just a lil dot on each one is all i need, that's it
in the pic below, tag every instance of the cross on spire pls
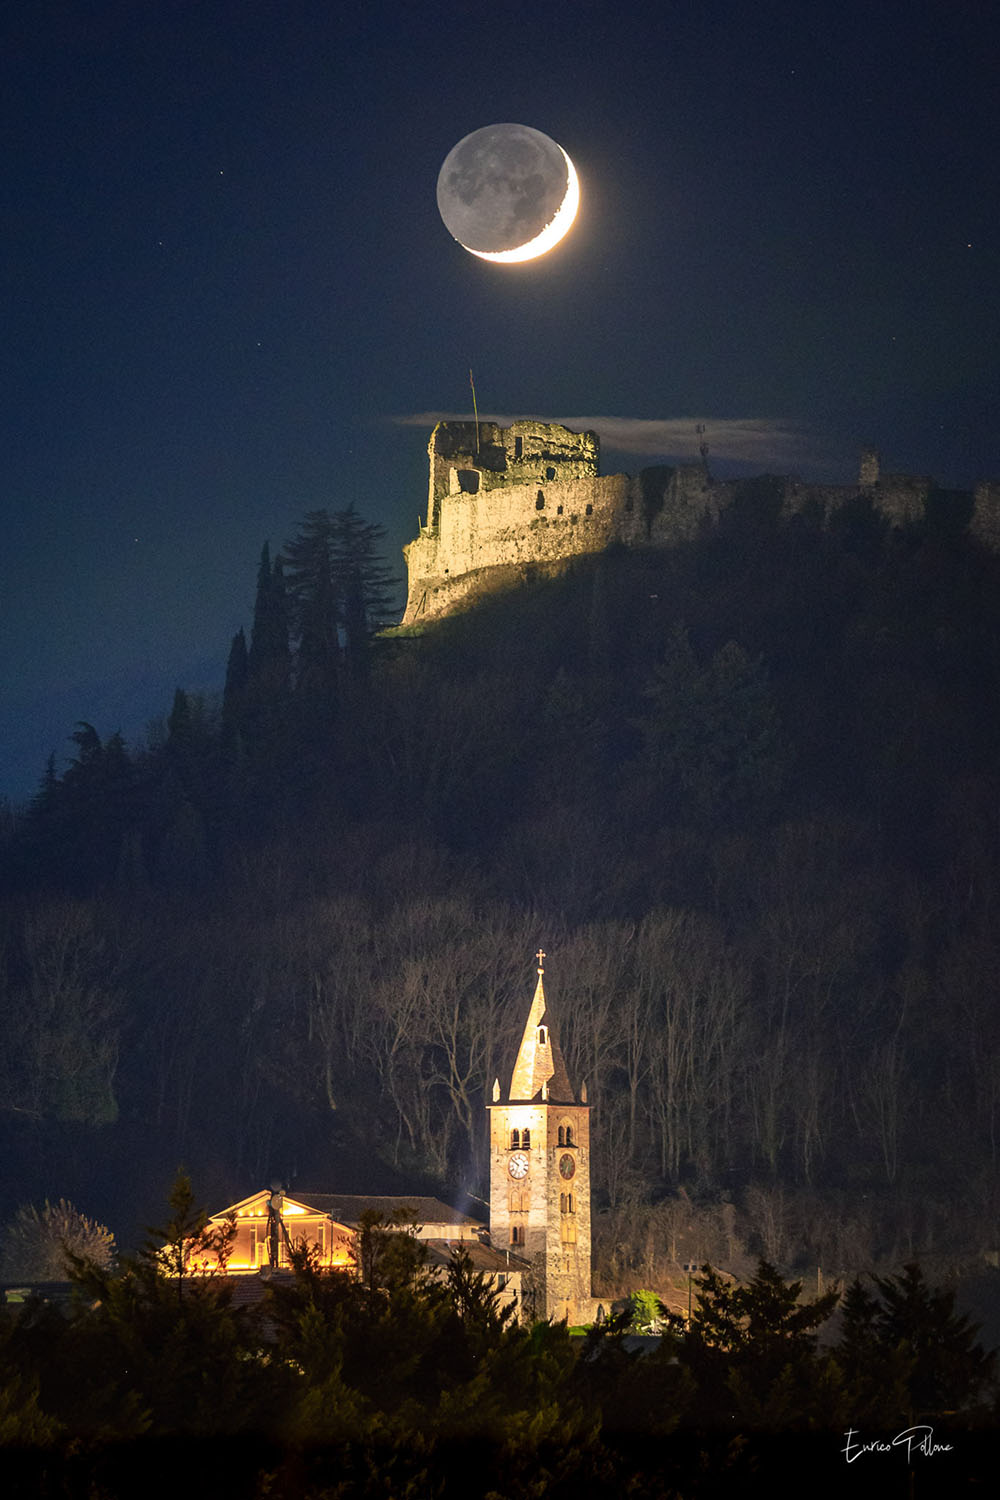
(540, 955)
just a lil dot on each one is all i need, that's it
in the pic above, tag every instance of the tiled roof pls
(483, 1257)
(347, 1208)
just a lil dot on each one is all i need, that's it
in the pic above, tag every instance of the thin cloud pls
(767, 442)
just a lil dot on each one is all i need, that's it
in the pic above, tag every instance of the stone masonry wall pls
(504, 502)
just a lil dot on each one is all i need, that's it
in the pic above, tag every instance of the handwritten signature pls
(913, 1439)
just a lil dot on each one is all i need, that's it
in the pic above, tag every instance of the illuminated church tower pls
(540, 1170)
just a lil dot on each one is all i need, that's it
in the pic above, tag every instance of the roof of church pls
(540, 1063)
(347, 1208)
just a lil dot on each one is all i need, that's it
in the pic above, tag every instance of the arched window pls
(569, 1135)
(562, 1136)
(540, 502)
(515, 1140)
(543, 1036)
(526, 1138)
(570, 1205)
(517, 1234)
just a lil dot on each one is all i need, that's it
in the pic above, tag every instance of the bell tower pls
(540, 1169)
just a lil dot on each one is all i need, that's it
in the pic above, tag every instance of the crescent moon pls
(555, 229)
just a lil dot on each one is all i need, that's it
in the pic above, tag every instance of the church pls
(540, 1169)
(537, 1248)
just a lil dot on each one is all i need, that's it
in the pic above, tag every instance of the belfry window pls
(515, 1140)
(525, 1138)
(543, 1036)
(562, 1136)
(569, 1135)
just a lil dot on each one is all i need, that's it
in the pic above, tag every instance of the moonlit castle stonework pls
(540, 1171)
(506, 504)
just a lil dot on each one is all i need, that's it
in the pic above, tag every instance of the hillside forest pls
(744, 792)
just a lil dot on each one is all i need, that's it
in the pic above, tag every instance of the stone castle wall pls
(505, 503)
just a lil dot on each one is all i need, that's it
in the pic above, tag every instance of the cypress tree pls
(235, 692)
(268, 660)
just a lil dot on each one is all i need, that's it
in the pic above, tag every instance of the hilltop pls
(744, 790)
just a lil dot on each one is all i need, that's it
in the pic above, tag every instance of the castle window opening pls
(515, 1140)
(540, 502)
(559, 510)
(518, 447)
(468, 481)
(590, 510)
(550, 473)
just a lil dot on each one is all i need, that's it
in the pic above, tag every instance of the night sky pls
(229, 298)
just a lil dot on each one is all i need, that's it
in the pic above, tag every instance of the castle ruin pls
(508, 503)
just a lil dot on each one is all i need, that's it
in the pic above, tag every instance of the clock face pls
(567, 1166)
(518, 1165)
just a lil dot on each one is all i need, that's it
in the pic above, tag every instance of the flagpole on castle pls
(475, 410)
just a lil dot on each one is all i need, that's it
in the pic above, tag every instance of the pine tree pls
(315, 613)
(360, 565)
(341, 592)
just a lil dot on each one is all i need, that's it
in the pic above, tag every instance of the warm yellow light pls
(553, 232)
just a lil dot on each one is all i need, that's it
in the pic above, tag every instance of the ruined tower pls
(540, 1170)
(505, 500)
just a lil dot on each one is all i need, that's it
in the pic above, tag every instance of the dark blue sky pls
(226, 279)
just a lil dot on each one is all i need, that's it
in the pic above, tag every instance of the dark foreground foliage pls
(395, 1384)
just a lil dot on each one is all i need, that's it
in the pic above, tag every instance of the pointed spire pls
(540, 1072)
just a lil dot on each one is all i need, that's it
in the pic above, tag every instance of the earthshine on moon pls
(507, 193)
